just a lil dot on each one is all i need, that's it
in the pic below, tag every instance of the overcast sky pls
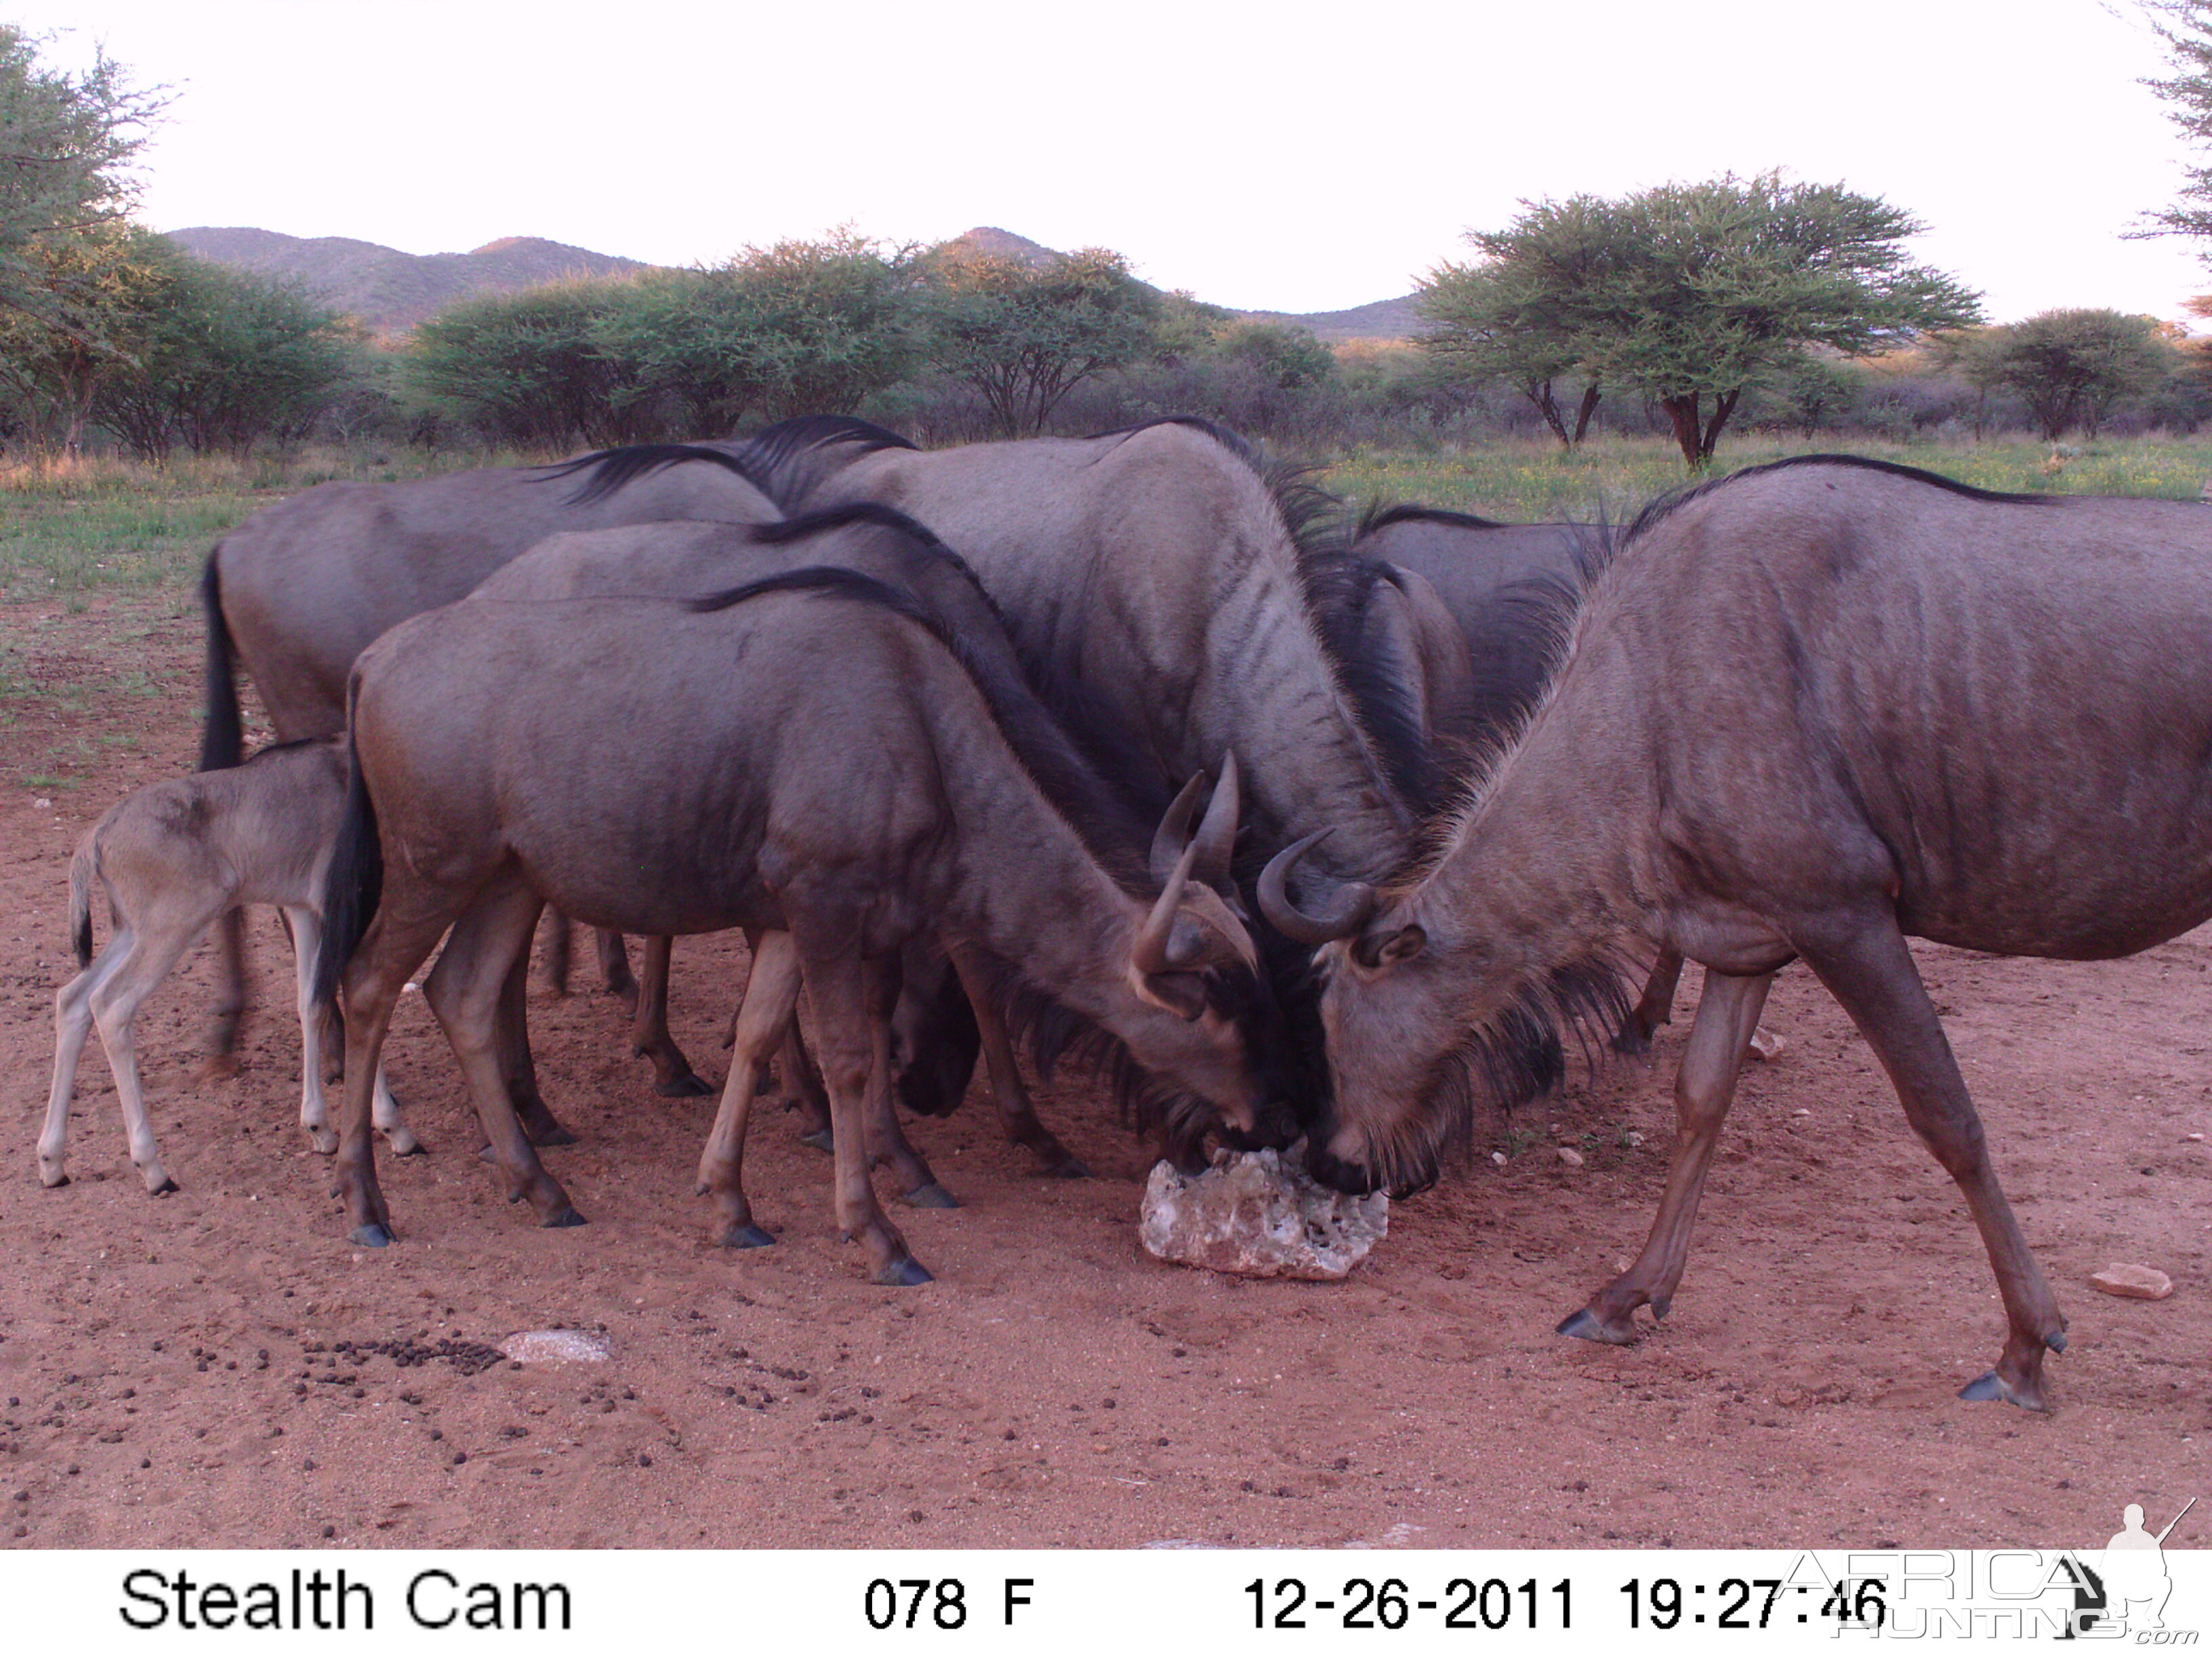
(1283, 156)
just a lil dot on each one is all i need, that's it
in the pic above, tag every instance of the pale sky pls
(1289, 156)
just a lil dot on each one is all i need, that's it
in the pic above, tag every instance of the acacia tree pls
(2186, 27)
(65, 143)
(2070, 366)
(1516, 314)
(1692, 293)
(1024, 336)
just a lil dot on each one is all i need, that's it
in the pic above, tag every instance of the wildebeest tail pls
(353, 882)
(223, 740)
(83, 868)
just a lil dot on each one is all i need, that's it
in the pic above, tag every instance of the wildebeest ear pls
(1403, 946)
(1181, 995)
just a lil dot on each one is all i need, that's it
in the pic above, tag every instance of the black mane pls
(1667, 503)
(612, 469)
(1376, 516)
(775, 455)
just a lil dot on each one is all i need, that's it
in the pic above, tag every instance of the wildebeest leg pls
(516, 1065)
(841, 990)
(1656, 1008)
(306, 930)
(1016, 1112)
(560, 935)
(763, 1018)
(465, 991)
(229, 996)
(614, 965)
(1728, 1014)
(887, 1141)
(649, 1028)
(73, 1020)
(1869, 970)
(802, 1083)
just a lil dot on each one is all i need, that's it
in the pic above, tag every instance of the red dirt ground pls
(166, 1377)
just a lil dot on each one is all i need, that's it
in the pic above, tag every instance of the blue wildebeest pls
(299, 590)
(850, 812)
(1808, 711)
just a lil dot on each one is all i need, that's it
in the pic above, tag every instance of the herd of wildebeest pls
(1306, 827)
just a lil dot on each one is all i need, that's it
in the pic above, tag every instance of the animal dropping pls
(2127, 1279)
(1252, 1214)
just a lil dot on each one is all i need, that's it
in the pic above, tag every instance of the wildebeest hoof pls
(1632, 1041)
(324, 1141)
(168, 1185)
(1587, 1326)
(820, 1139)
(2055, 1341)
(687, 1087)
(1990, 1386)
(374, 1236)
(747, 1237)
(403, 1144)
(932, 1197)
(57, 1179)
(557, 1135)
(217, 1068)
(566, 1216)
(903, 1270)
(1067, 1168)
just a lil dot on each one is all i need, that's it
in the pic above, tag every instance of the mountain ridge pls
(389, 291)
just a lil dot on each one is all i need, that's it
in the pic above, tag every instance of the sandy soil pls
(172, 1374)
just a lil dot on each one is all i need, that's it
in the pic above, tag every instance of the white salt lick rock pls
(1260, 1215)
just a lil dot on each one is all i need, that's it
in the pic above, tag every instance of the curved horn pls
(1217, 836)
(1152, 952)
(1173, 835)
(1355, 901)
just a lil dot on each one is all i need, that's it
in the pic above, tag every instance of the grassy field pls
(68, 533)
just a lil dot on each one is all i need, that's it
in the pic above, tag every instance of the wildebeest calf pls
(172, 858)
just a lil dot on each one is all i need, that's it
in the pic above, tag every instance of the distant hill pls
(390, 291)
(1380, 320)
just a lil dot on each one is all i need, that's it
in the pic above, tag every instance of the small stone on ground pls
(555, 1348)
(2127, 1279)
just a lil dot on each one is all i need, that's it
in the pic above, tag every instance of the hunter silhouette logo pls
(2136, 1580)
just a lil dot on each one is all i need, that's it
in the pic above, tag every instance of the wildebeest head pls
(1429, 1012)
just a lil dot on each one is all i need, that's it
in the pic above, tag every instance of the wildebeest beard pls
(1516, 1057)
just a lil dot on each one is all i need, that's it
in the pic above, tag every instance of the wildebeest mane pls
(610, 470)
(774, 453)
(1098, 815)
(1376, 516)
(1666, 504)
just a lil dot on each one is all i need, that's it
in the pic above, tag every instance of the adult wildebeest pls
(1153, 582)
(681, 560)
(1499, 583)
(171, 858)
(299, 590)
(1808, 710)
(667, 769)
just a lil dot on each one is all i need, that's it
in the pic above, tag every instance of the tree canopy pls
(2070, 367)
(2185, 27)
(1689, 294)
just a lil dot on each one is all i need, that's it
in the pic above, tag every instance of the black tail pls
(222, 741)
(352, 884)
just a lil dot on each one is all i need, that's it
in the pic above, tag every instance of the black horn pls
(1354, 903)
